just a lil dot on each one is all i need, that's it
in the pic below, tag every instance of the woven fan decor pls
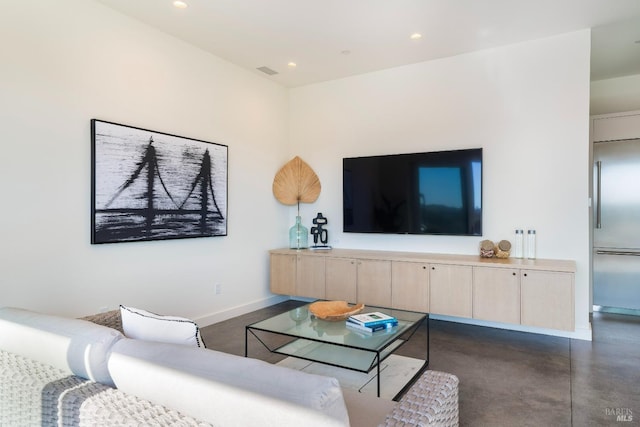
(296, 182)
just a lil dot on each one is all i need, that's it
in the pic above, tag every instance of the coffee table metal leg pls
(428, 339)
(378, 356)
(246, 347)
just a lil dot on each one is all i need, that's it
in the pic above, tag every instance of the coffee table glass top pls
(301, 323)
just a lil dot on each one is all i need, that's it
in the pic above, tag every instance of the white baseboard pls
(239, 310)
(585, 334)
(579, 333)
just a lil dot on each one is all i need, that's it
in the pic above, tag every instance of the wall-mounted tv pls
(437, 192)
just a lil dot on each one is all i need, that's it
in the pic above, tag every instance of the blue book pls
(372, 319)
(371, 329)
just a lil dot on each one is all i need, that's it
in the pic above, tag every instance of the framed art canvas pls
(149, 185)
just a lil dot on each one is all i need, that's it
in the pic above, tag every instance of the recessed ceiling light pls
(180, 4)
(416, 36)
(292, 65)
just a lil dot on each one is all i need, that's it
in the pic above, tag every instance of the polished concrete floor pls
(510, 378)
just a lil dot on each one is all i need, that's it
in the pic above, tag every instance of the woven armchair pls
(111, 319)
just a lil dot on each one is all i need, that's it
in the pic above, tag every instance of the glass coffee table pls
(333, 343)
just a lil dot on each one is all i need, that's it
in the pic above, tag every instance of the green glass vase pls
(298, 235)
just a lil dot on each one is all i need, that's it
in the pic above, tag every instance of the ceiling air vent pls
(267, 70)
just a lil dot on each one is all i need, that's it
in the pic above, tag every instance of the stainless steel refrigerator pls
(616, 235)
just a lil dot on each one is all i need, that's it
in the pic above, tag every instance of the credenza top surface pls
(456, 259)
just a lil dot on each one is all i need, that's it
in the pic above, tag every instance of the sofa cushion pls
(144, 325)
(225, 389)
(73, 345)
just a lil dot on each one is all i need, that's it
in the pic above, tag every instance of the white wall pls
(66, 62)
(615, 95)
(526, 105)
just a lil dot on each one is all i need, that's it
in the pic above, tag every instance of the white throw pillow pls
(143, 325)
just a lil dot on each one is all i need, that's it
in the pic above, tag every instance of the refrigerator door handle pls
(629, 253)
(598, 194)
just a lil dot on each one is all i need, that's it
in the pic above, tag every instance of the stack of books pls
(371, 322)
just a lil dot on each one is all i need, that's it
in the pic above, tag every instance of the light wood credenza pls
(538, 293)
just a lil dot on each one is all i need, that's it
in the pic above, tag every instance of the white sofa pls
(60, 371)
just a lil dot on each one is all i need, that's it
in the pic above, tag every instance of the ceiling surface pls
(331, 39)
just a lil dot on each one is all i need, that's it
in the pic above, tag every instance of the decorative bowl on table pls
(334, 310)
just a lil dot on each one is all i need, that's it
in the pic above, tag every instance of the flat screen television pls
(437, 192)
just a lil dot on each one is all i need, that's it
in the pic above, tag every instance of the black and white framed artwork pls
(149, 185)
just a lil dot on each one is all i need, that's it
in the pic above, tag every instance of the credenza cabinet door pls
(282, 278)
(450, 289)
(374, 282)
(496, 294)
(340, 279)
(310, 276)
(410, 286)
(547, 299)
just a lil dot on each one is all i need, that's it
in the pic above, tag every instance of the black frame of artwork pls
(150, 185)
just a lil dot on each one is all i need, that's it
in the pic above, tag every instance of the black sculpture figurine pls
(319, 233)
